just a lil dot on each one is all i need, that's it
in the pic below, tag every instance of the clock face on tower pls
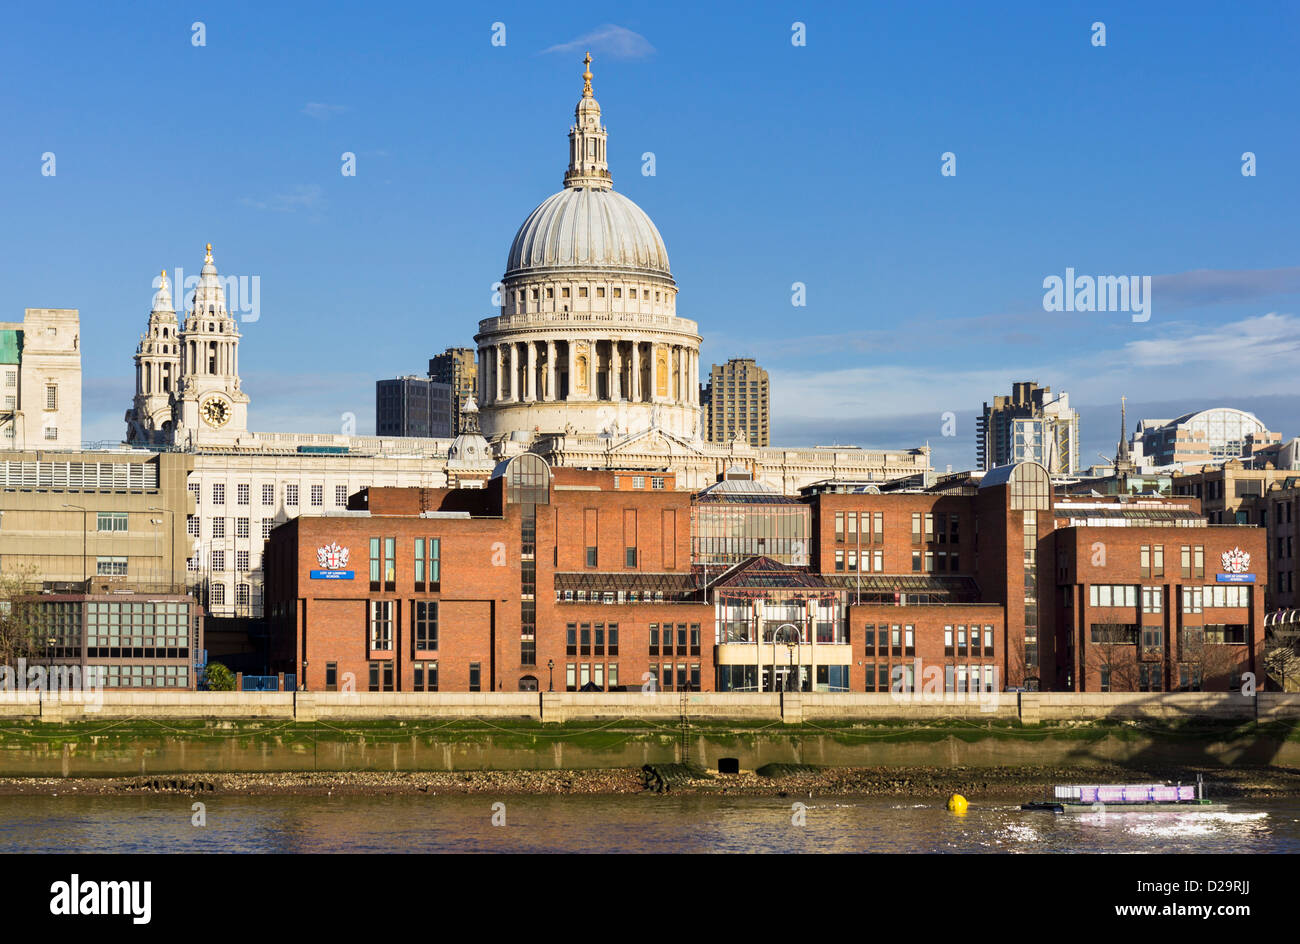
(215, 411)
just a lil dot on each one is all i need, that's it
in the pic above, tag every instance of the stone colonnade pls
(585, 369)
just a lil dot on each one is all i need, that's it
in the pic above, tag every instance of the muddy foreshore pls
(923, 782)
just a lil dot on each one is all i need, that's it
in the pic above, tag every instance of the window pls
(331, 676)
(110, 566)
(111, 521)
(428, 569)
(425, 616)
(340, 495)
(241, 527)
(1153, 599)
(1103, 594)
(218, 560)
(656, 481)
(591, 557)
(217, 594)
(475, 676)
(317, 496)
(839, 560)
(381, 676)
(291, 496)
(218, 493)
(192, 525)
(381, 625)
(629, 557)
(241, 594)
(1193, 599)
(267, 524)
(241, 561)
(268, 494)
(241, 494)
(218, 527)
(51, 396)
(374, 564)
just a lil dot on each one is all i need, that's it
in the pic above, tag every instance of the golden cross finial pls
(208, 257)
(586, 76)
(164, 276)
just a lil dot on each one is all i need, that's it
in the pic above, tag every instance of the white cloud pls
(302, 197)
(616, 42)
(322, 111)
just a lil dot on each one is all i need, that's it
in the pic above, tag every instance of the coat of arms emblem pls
(332, 556)
(1236, 561)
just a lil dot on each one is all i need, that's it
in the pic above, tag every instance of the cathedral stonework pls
(588, 340)
(187, 378)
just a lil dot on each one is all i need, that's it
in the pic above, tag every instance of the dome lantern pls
(588, 162)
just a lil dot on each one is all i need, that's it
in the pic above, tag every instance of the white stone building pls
(40, 359)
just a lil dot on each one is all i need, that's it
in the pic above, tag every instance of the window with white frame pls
(268, 494)
(381, 624)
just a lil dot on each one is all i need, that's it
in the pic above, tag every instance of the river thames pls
(641, 824)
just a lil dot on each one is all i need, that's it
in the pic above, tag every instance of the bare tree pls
(1216, 664)
(17, 611)
(1113, 651)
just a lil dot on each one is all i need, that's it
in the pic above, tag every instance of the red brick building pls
(573, 579)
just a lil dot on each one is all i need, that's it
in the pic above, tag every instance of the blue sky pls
(775, 164)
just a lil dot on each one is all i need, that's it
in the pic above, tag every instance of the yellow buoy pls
(957, 803)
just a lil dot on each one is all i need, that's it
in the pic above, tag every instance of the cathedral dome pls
(585, 226)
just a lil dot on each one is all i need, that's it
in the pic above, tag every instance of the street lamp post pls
(776, 638)
(84, 511)
(171, 557)
(550, 665)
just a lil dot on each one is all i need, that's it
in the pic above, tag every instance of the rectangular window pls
(390, 563)
(331, 676)
(584, 639)
(51, 396)
(629, 557)
(241, 561)
(381, 625)
(192, 525)
(591, 557)
(374, 564)
(318, 496)
(241, 494)
(111, 521)
(218, 527)
(267, 524)
(110, 566)
(268, 494)
(291, 496)
(218, 493)
(878, 528)
(424, 614)
(613, 640)
(241, 527)
(340, 496)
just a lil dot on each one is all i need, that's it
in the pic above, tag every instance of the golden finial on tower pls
(208, 257)
(164, 276)
(586, 76)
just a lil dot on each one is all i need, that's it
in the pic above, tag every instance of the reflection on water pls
(622, 824)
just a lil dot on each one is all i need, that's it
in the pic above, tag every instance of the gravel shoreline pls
(974, 782)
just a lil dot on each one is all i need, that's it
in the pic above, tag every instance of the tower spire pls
(588, 165)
